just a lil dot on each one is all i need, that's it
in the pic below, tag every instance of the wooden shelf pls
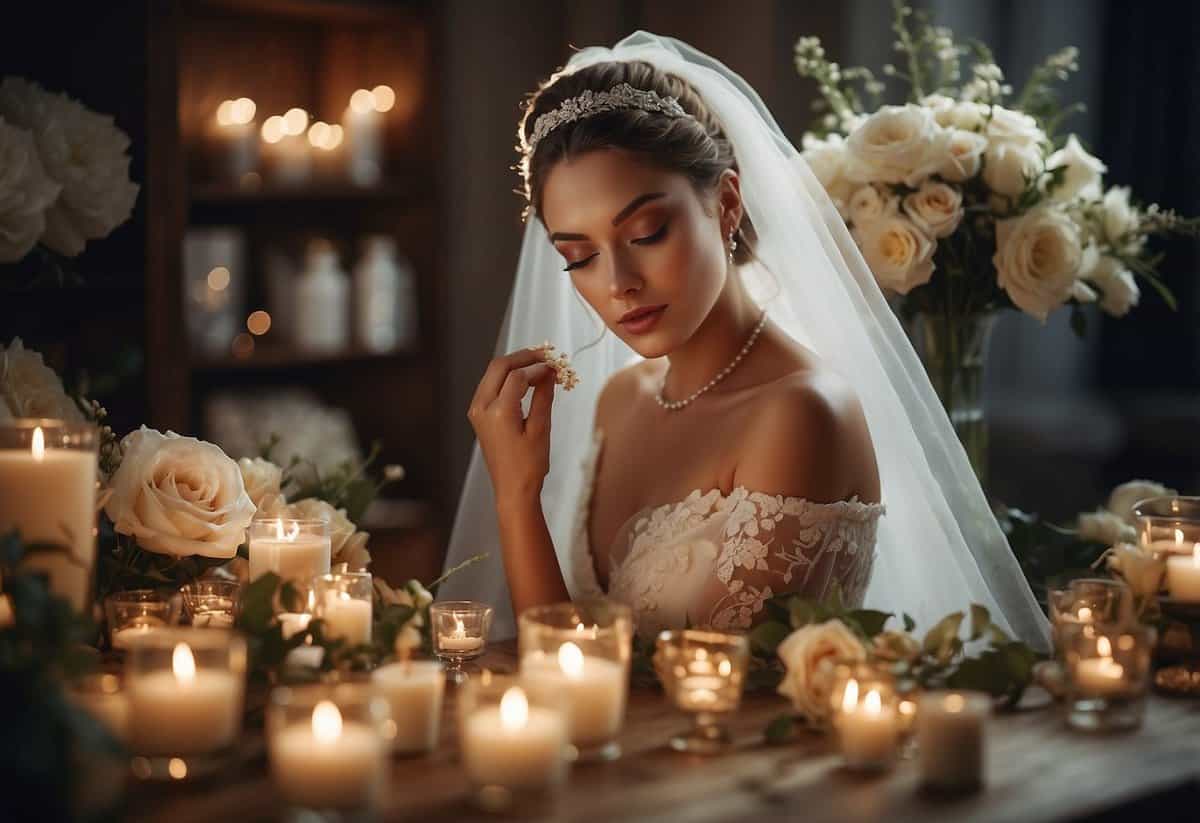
(268, 358)
(228, 194)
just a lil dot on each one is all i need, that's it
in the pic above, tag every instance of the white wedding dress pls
(712, 560)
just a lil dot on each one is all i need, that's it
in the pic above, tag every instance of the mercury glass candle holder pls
(703, 673)
(1108, 675)
(343, 603)
(866, 715)
(1168, 525)
(211, 604)
(328, 747)
(459, 629)
(137, 612)
(186, 689)
(582, 649)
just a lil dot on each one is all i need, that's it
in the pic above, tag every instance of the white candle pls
(458, 641)
(1100, 676)
(185, 710)
(1183, 576)
(867, 729)
(347, 617)
(414, 690)
(122, 638)
(514, 744)
(950, 739)
(595, 690)
(364, 139)
(289, 553)
(213, 620)
(235, 138)
(328, 763)
(49, 495)
(107, 704)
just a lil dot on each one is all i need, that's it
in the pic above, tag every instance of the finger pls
(516, 384)
(498, 370)
(538, 421)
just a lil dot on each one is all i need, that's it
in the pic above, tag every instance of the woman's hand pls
(516, 447)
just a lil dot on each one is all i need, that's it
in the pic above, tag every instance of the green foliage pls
(349, 486)
(1049, 555)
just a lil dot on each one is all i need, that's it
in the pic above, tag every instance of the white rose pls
(1012, 127)
(262, 479)
(347, 544)
(1118, 291)
(867, 205)
(1125, 496)
(1105, 527)
(942, 108)
(1083, 293)
(809, 655)
(1141, 570)
(935, 208)
(1083, 172)
(25, 193)
(969, 115)
(179, 496)
(419, 593)
(897, 144)
(827, 159)
(1037, 260)
(964, 155)
(1008, 167)
(30, 388)
(81, 150)
(392, 597)
(900, 254)
(1120, 218)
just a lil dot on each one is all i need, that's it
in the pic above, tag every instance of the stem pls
(470, 561)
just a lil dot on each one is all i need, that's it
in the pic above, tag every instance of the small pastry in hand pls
(565, 375)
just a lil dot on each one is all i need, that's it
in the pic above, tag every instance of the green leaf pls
(870, 621)
(258, 603)
(941, 637)
(780, 730)
(909, 623)
(981, 619)
(766, 637)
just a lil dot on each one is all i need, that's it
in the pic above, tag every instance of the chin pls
(658, 343)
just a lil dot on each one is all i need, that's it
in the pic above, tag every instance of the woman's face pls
(642, 246)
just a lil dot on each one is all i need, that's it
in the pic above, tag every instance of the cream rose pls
(867, 205)
(935, 208)
(1037, 259)
(262, 479)
(1083, 172)
(1105, 527)
(1008, 168)
(30, 388)
(897, 144)
(899, 253)
(25, 193)
(809, 655)
(179, 496)
(1125, 496)
(1011, 127)
(1118, 290)
(347, 544)
(1120, 218)
(964, 155)
(827, 159)
(1141, 570)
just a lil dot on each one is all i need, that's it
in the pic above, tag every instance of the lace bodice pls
(713, 559)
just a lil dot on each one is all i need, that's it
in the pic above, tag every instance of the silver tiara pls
(620, 96)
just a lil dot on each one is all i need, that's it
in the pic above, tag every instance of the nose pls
(625, 278)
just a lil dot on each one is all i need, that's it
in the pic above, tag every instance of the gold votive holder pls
(328, 746)
(211, 604)
(185, 688)
(866, 715)
(459, 629)
(703, 673)
(344, 605)
(136, 613)
(951, 735)
(1108, 675)
(513, 742)
(583, 650)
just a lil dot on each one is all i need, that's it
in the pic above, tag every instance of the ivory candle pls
(101, 697)
(458, 641)
(414, 690)
(867, 729)
(595, 690)
(293, 549)
(364, 138)
(328, 762)
(49, 495)
(950, 739)
(347, 617)
(514, 745)
(1101, 676)
(185, 710)
(1183, 576)
(124, 637)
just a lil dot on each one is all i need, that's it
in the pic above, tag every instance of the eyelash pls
(641, 241)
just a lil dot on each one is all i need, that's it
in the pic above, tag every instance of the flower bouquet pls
(967, 199)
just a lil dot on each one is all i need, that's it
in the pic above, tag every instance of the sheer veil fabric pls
(939, 547)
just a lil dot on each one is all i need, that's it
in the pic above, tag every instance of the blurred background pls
(327, 228)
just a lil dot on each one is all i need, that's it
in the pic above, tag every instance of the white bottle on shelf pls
(385, 297)
(322, 316)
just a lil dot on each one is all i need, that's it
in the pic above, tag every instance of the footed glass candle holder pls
(460, 630)
(1108, 675)
(344, 604)
(866, 715)
(1168, 525)
(211, 604)
(137, 612)
(703, 673)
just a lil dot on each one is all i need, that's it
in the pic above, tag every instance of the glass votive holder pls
(102, 695)
(703, 673)
(513, 742)
(295, 549)
(344, 605)
(415, 690)
(1089, 600)
(950, 739)
(1168, 525)
(211, 604)
(582, 650)
(1108, 675)
(185, 688)
(328, 746)
(866, 715)
(138, 612)
(459, 629)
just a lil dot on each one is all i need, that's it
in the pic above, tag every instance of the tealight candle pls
(459, 629)
(867, 728)
(511, 739)
(1108, 674)
(414, 689)
(296, 550)
(950, 739)
(136, 613)
(457, 640)
(211, 604)
(344, 605)
(1183, 576)
(1101, 675)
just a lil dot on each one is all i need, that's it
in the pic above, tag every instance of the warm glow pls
(1179, 537)
(724, 668)
(362, 101)
(243, 110)
(326, 723)
(955, 703)
(908, 708)
(177, 768)
(38, 446)
(872, 703)
(1085, 614)
(1103, 647)
(225, 113)
(243, 346)
(273, 130)
(290, 535)
(850, 696)
(385, 98)
(295, 121)
(1125, 642)
(218, 279)
(514, 710)
(318, 134)
(336, 135)
(570, 660)
(1196, 555)
(460, 631)
(183, 664)
(259, 322)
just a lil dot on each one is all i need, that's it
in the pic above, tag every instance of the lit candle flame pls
(1103, 647)
(850, 696)
(570, 660)
(724, 668)
(872, 703)
(460, 631)
(1085, 614)
(183, 664)
(383, 98)
(514, 710)
(290, 535)
(38, 446)
(326, 722)
(362, 101)
(1178, 537)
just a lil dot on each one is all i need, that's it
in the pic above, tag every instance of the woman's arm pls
(534, 577)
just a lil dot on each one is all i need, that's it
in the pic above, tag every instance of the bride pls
(746, 402)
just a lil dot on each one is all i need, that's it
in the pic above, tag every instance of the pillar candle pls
(414, 690)
(950, 739)
(514, 745)
(328, 762)
(595, 690)
(184, 710)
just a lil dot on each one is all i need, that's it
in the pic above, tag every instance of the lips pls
(643, 319)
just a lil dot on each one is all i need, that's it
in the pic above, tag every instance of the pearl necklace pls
(676, 405)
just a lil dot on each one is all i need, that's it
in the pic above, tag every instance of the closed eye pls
(652, 238)
(578, 264)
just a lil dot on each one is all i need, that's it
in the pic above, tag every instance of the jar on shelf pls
(322, 316)
(385, 297)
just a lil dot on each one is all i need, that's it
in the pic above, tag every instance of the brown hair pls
(694, 146)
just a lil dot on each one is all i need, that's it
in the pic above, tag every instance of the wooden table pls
(1037, 770)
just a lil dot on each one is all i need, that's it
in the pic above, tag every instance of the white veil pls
(939, 546)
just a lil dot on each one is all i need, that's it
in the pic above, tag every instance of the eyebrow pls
(623, 215)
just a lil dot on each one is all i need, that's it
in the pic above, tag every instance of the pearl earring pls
(732, 247)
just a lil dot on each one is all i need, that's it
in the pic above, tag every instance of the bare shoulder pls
(623, 390)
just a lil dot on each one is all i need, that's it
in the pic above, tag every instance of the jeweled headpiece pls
(589, 103)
